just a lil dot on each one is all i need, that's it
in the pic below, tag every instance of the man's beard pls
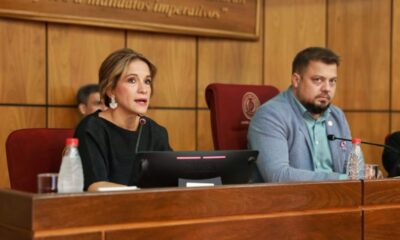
(314, 109)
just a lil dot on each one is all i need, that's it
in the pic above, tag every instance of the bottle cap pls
(356, 140)
(71, 142)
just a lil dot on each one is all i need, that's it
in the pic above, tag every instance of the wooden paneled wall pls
(43, 64)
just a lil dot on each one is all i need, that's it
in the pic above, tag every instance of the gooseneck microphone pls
(332, 137)
(137, 170)
(393, 171)
(142, 122)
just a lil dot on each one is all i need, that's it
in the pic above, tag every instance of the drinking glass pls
(372, 171)
(47, 182)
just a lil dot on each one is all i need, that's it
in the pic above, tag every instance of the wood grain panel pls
(227, 61)
(382, 209)
(175, 58)
(359, 31)
(395, 122)
(294, 210)
(370, 127)
(16, 118)
(22, 62)
(15, 211)
(290, 26)
(382, 192)
(81, 236)
(149, 208)
(74, 57)
(204, 131)
(382, 224)
(180, 125)
(318, 226)
(396, 56)
(59, 117)
(14, 234)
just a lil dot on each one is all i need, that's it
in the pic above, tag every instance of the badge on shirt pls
(343, 145)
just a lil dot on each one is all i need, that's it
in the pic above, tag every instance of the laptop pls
(169, 168)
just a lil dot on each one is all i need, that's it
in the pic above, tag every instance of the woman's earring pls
(113, 103)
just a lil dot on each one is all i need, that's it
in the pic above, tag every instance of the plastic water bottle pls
(355, 162)
(70, 177)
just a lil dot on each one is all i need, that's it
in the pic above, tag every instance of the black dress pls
(108, 151)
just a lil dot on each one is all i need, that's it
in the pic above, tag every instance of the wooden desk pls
(329, 210)
(382, 209)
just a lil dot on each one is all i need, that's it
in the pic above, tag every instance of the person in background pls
(109, 139)
(290, 131)
(88, 99)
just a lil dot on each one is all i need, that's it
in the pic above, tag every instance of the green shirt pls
(320, 150)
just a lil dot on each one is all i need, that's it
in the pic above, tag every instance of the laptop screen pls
(166, 168)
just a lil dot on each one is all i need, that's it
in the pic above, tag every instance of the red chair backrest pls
(231, 107)
(32, 151)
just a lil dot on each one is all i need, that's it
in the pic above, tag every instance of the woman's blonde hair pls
(114, 65)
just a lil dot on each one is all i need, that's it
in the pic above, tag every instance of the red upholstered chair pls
(232, 106)
(34, 150)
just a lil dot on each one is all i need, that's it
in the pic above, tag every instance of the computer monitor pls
(166, 168)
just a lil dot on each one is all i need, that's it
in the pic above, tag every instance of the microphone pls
(142, 122)
(332, 137)
(137, 167)
(394, 171)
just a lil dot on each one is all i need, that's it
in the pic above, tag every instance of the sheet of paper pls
(199, 184)
(124, 188)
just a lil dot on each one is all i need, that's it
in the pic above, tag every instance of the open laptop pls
(168, 168)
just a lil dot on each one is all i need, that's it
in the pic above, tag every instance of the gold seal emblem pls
(250, 103)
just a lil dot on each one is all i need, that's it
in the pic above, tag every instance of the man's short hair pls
(85, 91)
(304, 57)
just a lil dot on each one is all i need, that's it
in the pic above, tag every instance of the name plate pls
(219, 18)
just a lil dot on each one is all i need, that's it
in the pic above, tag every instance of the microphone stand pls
(138, 168)
(332, 137)
(142, 122)
(395, 170)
